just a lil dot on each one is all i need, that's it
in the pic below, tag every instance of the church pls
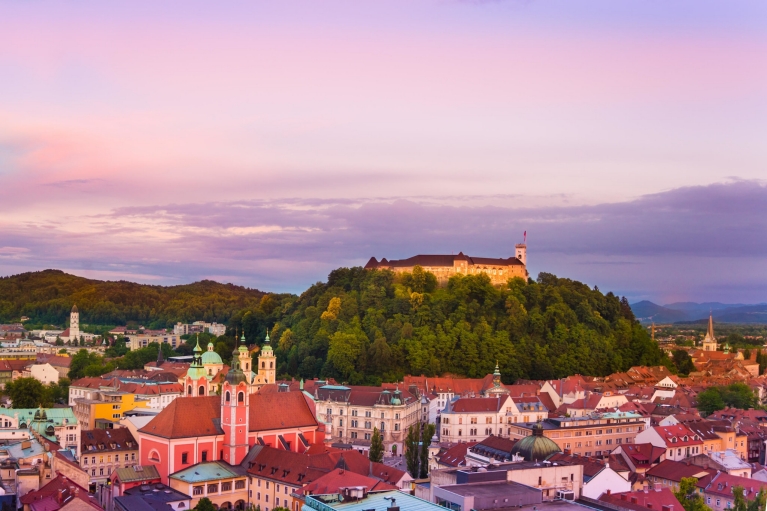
(207, 372)
(446, 266)
(207, 427)
(73, 332)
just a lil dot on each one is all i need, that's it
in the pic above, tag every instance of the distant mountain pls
(647, 312)
(691, 312)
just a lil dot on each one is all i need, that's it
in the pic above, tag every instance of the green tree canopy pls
(28, 393)
(376, 447)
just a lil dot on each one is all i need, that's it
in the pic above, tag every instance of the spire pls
(160, 360)
(711, 325)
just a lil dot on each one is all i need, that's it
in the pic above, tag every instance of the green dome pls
(210, 356)
(535, 447)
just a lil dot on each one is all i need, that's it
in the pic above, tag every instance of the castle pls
(446, 266)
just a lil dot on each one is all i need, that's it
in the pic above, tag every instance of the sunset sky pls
(266, 143)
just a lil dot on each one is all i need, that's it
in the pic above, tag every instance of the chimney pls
(609, 491)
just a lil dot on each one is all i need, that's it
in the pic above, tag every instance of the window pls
(277, 487)
(330, 411)
(228, 396)
(197, 490)
(367, 436)
(85, 460)
(185, 458)
(473, 420)
(240, 397)
(354, 413)
(204, 455)
(368, 414)
(340, 422)
(266, 498)
(213, 488)
(240, 485)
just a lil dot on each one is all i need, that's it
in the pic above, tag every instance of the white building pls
(138, 341)
(44, 373)
(679, 441)
(472, 419)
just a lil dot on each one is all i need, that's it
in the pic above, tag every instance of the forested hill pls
(46, 297)
(362, 326)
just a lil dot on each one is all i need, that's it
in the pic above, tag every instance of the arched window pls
(154, 456)
(228, 396)
(263, 365)
(247, 366)
(271, 365)
(210, 372)
(241, 397)
(201, 391)
(189, 390)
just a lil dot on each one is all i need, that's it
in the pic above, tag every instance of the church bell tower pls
(235, 412)
(74, 324)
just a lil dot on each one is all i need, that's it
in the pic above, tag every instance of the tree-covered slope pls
(47, 297)
(367, 325)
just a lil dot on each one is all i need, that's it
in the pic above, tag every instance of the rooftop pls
(209, 471)
(373, 501)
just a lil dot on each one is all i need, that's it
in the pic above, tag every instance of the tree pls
(428, 433)
(683, 362)
(28, 393)
(376, 447)
(205, 505)
(412, 455)
(689, 497)
(710, 400)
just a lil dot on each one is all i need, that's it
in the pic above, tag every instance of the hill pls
(370, 325)
(47, 297)
(691, 312)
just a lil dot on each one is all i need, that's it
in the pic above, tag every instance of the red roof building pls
(191, 430)
(658, 499)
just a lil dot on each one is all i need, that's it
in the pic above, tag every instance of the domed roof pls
(535, 447)
(211, 357)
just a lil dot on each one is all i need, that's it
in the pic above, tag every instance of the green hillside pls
(363, 326)
(46, 297)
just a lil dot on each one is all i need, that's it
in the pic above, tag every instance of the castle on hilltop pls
(446, 266)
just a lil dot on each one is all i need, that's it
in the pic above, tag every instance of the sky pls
(267, 143)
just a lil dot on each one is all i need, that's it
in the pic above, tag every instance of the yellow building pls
(110, 405)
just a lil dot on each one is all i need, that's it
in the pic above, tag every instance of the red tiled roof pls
(675, 435)
(334, 480)
(456, 455)
(654, 499)
(477, 404)
(723, 483)
(198, 416)
(675, 471)
(59, 484)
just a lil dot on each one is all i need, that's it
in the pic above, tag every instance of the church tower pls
(267, 363)
(74, 324)
(195, 382)
(235, 412)
(709, 342)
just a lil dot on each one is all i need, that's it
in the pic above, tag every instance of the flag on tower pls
(524, 237)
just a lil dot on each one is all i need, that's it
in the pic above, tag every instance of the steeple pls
(160, 360)
(711, 325)
(709, 342)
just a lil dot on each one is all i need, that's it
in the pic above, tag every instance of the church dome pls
(210, 357)
(535, 447)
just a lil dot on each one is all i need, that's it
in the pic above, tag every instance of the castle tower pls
(267, 363)
(235, 413)
(74, 324)
(521, 252)
(709, 342)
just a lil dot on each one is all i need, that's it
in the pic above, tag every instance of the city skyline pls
(269, 144)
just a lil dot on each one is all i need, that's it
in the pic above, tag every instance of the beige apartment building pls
(474, 419)
(106, 450)
(351, 413)
(593, 435)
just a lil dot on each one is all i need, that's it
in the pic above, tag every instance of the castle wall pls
(499, 275)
